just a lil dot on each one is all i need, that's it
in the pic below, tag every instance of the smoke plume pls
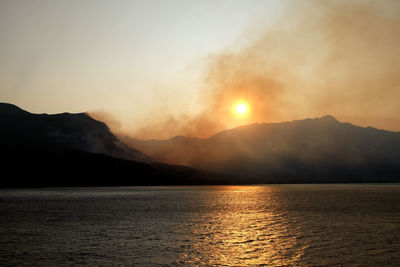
(322, 57)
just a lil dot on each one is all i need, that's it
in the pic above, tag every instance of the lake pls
(300, 225)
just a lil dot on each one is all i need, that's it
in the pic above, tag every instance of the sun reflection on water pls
(246, 226)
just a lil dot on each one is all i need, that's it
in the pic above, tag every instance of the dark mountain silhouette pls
(76, 131)
(58, 167)
(76, 150)
(310, 150)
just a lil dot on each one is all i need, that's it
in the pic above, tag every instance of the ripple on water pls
(246, 225)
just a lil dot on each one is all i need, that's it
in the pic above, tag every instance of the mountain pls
(69, 167)
(310, 150)
(40, 150)
(76, 131)
(76, 150)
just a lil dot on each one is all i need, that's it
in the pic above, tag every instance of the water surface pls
(301, 225)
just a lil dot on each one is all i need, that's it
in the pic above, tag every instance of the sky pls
(155, 69)
(121, 57)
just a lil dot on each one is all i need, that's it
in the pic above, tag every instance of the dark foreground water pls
(217, 225)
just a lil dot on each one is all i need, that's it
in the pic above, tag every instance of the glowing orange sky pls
(157, 69)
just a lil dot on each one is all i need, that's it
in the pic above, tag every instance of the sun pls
(241, 108)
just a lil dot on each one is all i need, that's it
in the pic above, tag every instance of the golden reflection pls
(244, 225)
(245, 188)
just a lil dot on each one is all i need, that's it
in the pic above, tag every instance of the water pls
(302, 225)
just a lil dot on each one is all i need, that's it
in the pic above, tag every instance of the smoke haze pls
(323, 57)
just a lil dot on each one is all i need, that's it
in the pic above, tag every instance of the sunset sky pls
(155, 69)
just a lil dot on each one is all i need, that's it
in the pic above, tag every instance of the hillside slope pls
(20, 128)
(75, 150)
(310, 150)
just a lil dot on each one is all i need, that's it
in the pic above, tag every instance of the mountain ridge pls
(41, 150)
(69, 149)
(315, 149)
(75, 130)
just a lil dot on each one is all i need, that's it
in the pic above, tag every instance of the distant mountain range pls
(303, 151)
(39, 150)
